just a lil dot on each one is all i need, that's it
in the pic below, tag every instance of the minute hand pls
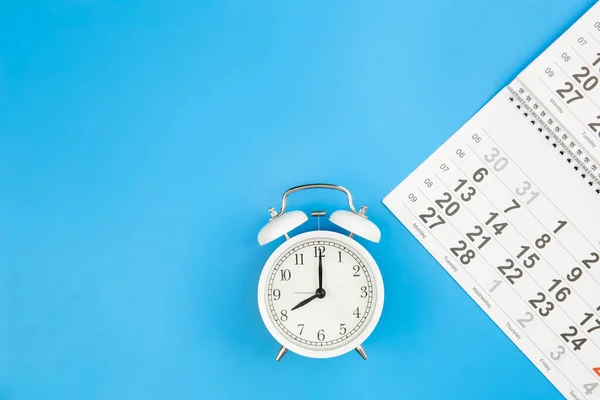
(320, 270)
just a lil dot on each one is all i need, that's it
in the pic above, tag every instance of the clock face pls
(321, 315)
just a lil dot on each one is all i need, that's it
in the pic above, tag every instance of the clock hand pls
(320, 291)
(320, 271)
(305, 301)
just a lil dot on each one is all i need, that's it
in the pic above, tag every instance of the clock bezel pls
(377, 283)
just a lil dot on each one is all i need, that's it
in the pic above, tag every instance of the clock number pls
(356, 312)
(339, 256)
(562, 294)
(319, 250)
(569, 88)
(544, 312)
(577, 343)
(363, 291)
(444, 168)
(286, 274)
(424, 217)
(284, 316)
(299, 259)
(343, 329)
(511, 278)
(452, 207)
(301, 326)
(321, 335)
(356, 269)
(588, 263)
(561, 224)
(276, 294)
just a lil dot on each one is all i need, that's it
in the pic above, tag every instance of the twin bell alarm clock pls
(320, 293)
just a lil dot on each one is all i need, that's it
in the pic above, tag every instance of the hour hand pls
(305, 301)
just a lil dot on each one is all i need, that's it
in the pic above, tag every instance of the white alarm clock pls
(320, 293)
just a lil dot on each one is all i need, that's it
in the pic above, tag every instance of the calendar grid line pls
(522, 235)
(532, 181)
(510, 254)
(502, 309)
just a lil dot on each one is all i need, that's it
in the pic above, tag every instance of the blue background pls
(141, 144)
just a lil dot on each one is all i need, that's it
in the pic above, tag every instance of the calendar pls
(509, 207)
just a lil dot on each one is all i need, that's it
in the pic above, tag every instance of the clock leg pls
(361, 351)
(281, 353)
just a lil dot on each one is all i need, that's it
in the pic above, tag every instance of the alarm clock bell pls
(355, 222)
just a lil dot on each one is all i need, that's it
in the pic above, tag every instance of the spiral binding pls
(559, 138)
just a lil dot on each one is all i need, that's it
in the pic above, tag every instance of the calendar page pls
(508, 206)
